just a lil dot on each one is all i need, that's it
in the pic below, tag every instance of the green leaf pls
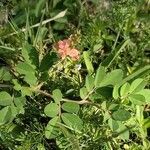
(113, 107)
(70, 107)
(48, 61)
(116, 91)
(30, 55)
(137, 85)
(96, 97)
(83, 92)
(57, 96)
(20, 102)
(105, 92)
(100, 74)
(88, 63)
(112, 78)
(5, 99)
(89, 83)
(124, 89)
(106, 116)
(51, 129)
(139, 113)
(31, 79)
(123, 132)
(137, 99)
(17, 86)
(146, 94)
(14, 111)
(143, 71)
(28, 71)
(113, 124)
(26, 91)
(51, 110)
(4, 74)
(5, 115)
(72, 120)
(24, 68)
(121, 115)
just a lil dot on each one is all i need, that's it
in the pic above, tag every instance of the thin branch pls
(80, 102)
(64, 100)
(77, 102)
(89, 94)
(43, 93)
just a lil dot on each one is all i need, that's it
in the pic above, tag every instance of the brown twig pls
(43, 93)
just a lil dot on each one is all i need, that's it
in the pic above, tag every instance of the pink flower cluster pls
(65, 49)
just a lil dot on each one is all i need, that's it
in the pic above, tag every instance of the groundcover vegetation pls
(74, 74)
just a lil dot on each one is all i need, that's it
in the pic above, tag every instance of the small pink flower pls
(74, 54)
(64, 44)
(65, 49)
(63, 52)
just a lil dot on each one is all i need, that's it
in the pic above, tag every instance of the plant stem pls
(80, 102)
(43, 93)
